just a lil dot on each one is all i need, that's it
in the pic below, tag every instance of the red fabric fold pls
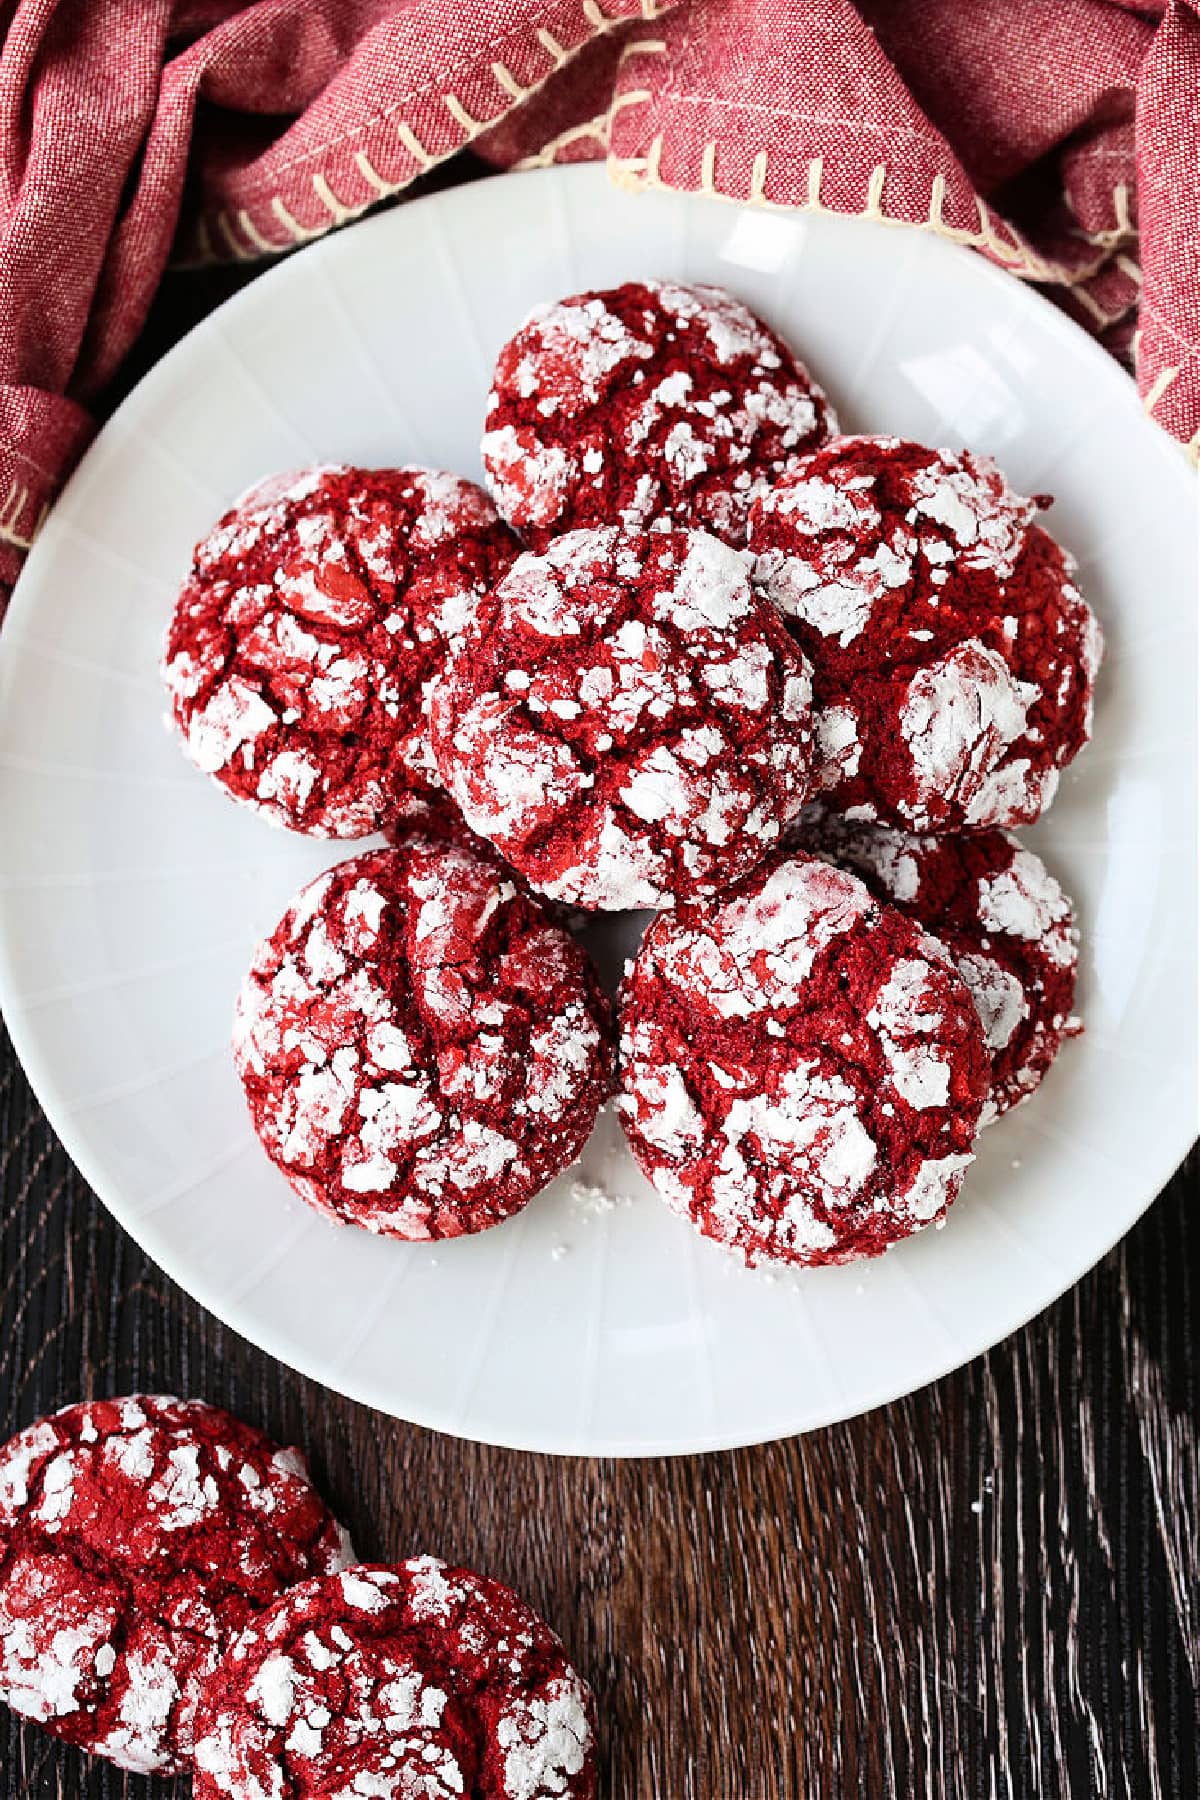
(1058, 137)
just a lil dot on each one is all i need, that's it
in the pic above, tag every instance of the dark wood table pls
(988, 1590)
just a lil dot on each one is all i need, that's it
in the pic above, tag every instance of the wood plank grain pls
(990, 1589)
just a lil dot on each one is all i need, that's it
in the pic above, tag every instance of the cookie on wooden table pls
(138, 1538)
(415, 1682)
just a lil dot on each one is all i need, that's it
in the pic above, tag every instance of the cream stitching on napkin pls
(243, 233)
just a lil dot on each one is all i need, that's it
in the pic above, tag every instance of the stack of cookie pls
(790, 690)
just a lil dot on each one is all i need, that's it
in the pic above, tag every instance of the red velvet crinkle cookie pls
(648, 401)
(138, 1537)
(1001, 915)
(316, 614)
(953, 658)
(802, 1068)
(421, 1047)
(626, 721)
(416, 1682)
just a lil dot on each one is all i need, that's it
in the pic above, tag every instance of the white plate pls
(132, 891)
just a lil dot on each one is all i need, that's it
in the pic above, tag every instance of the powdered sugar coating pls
(1002, 916)
(954, 660)
(627, 722)
(138, 1537)
(802, 1069)
(417, 1682)
(422, 1048)
(315, 616)
(647, 402)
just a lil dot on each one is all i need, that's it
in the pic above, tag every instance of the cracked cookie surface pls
(802, 1068)
(954, 659)
(422, 1048)
(316, 614)
(412, 1682)
(650, 401)
(626, 721)
(138, 1537)
(1002, 916)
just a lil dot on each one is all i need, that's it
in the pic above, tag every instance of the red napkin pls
(1058, 137)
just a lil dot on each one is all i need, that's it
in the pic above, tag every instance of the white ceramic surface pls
(131, 891)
